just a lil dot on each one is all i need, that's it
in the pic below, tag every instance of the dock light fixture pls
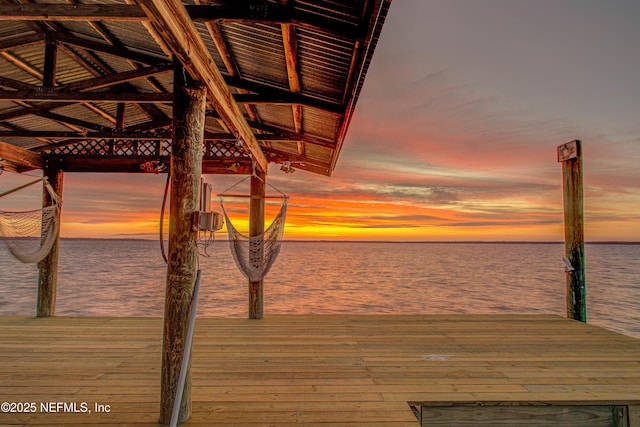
(235, 167)
(153, 166)
(286, 168)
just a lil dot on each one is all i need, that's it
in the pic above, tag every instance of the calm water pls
(127, 278)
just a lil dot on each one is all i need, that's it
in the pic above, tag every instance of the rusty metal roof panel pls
(285, 146)
(258, 52)
(349, 11)
(205, 34)
(317, 152)
(320, 123)
(276, 115)
(11, 29)
(86, 114)
(334, 43)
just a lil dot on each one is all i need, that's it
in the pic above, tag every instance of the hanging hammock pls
(255, 255)
(30, 235)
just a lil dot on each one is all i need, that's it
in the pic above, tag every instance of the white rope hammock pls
(255, 255)
(30, 235)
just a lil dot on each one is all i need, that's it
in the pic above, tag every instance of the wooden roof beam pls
(230, 10)
(171, 20)
(21, 157)
(110, 49)
(16, 84)
(285, 134)
(106, 34)
(99, 111)
(119, 78)
(19, 63)
(57, 94)
(72, 123)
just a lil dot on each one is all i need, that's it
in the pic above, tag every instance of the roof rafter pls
(246, 11)
(21, 40)
(114, 79)
(172, 21)
(263, 92)
(110, 49)
(285, 134)
(106, 96)
(71, 12)
(291, 58)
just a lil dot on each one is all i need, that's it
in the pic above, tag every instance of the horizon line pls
(542, 242)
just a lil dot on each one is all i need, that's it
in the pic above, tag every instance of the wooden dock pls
(344, 370)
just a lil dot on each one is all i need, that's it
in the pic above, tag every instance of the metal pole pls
(570, 155)
(187, 353)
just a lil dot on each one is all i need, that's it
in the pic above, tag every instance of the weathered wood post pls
(48, 267)
(186, 166)
(256, 227)
(570, 155)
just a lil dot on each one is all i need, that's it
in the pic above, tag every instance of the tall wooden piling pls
(48, 267)
(186, 166)
(570, 155)
(256, 227)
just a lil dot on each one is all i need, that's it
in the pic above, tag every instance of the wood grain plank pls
(316, 370)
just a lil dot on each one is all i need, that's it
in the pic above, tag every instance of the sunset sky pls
(454, 136)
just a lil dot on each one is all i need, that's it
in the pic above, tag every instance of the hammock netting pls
(255, 255)
(30, 235)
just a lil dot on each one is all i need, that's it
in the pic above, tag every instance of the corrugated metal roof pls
(298, 115)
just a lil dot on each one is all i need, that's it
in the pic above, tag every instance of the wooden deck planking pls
(314, 370)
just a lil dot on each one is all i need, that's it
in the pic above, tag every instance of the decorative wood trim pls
(252, 11)
(110, 49)
(119, 78)
(21, 40)
(71, 12)
(83, 135)
(573, 201)
(48, 267)
(50, 60)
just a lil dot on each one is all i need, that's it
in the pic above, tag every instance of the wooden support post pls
(48, 267)
(256, 227)
(186, 167)
(570, 155)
